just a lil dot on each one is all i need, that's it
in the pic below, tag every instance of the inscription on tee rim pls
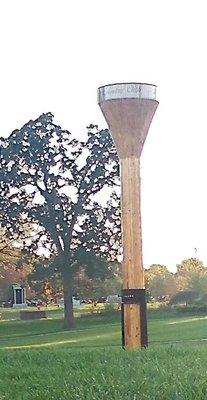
(127, 90)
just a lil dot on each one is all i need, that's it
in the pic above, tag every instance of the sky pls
(54, 56)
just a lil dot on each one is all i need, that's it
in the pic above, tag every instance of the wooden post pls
(132, 247)
(128, 109)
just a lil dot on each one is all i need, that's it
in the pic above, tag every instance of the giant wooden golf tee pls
(128, 109)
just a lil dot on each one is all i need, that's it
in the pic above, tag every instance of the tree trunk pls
(68, 302)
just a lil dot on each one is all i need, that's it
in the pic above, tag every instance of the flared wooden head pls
(128, 109)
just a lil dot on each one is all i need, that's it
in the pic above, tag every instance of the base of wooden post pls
(137, 299)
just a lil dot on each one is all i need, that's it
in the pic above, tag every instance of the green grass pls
(162, 373)
(41, 360)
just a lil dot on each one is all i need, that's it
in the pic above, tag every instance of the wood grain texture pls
(131, 223)
(133, 276)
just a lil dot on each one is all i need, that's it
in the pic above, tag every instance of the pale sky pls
(55, 54)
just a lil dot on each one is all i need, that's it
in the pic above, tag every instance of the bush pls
(184, 297)
(192, 309)
(111, 308)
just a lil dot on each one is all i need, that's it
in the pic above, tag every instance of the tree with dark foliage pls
(52, 181)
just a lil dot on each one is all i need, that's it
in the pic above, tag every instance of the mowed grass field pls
(41, 360)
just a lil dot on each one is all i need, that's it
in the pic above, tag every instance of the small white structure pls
(114, 299)
(76, 302)
(19, 296)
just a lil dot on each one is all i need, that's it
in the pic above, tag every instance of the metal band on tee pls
(133, 296)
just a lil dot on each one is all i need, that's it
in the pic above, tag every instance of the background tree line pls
(186, 285)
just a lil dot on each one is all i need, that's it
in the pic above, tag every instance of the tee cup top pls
(127, 91)
(128, 109)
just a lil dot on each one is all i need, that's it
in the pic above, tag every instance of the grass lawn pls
(41, 360)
